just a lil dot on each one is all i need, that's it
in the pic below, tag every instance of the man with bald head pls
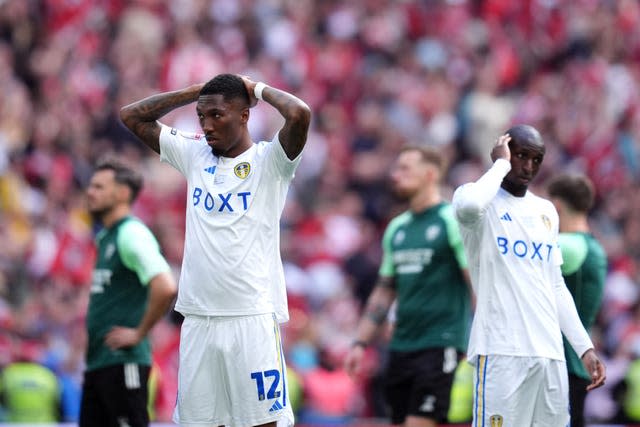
(522, 303)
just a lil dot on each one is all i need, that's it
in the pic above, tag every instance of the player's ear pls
(244, 116)
(123, 193)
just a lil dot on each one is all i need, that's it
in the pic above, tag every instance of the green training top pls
(584, 270)
(424, 254)
(30, 393)
(128, 258)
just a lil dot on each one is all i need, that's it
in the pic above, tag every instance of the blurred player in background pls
(424, 268)
(510, 238)
(132, 288)
(232, 290)
(584, 270)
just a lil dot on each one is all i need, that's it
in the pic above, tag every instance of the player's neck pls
(514, 190)
(424, 200)
(114, 215)
(574, 224)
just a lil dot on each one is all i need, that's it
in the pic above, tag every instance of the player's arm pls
(470, 201)
(375, 315)
(296, 113)
(576, 334)
(162, 291)
(141, 117)
(455, 242)
(376, 310)
(140, 252)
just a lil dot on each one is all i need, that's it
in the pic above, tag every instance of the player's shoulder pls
(397, 222)
(540, 201)
(401, 218)
(133, 228)
(445, 210)
(182, 134)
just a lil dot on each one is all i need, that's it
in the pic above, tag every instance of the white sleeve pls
(570, 323)
(471, 200)
(278, 162)
(176, 146)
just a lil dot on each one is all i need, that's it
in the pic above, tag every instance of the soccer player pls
(232, 290)
(584, 270)
(132, 288)
(424, 270)
(522, 303)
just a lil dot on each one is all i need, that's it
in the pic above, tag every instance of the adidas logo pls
(210, 169)
(276, 407)
(506, 217)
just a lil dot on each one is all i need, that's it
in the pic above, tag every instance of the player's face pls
(408, 174)
(223, 123)
(526, 158)
(102, 193)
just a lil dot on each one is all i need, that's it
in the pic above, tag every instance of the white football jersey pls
(513, 259)
(231, 263)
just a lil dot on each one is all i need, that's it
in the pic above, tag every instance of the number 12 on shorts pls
(260, 378)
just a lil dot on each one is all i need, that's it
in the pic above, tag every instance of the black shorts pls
(577, 396)
(114, 396)
(419, 383)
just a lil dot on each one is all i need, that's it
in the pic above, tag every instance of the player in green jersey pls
(584, 270)
(132, 288)
(424, 270)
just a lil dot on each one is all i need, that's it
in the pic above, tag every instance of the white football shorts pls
(232, 372)
(511, 391)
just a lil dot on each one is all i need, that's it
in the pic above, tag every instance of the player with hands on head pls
(232, 292)
(523, 306)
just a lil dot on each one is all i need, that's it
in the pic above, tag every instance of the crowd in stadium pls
(377, 74)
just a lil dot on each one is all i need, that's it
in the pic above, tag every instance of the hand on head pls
(250, 85)
(501, 148)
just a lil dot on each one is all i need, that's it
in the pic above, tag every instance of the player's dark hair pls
(230, 86)
(576, 190)
(429, 155)
(123, 174)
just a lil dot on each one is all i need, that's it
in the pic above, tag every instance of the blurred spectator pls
(337, 407)
(30, 391)
(631, 394)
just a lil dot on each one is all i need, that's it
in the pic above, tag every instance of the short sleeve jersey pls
(231, 263)
(128, 258)
(423, 253)
(514, 260)
(584, 271)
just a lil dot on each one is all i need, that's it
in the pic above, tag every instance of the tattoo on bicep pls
(293, 139)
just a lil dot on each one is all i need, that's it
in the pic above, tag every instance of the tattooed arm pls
(375, 314)
(141, 116)
(296, 113)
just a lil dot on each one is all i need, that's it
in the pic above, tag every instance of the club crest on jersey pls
(242, 170)
(432, 232)
(547, 222)
(496, 420)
